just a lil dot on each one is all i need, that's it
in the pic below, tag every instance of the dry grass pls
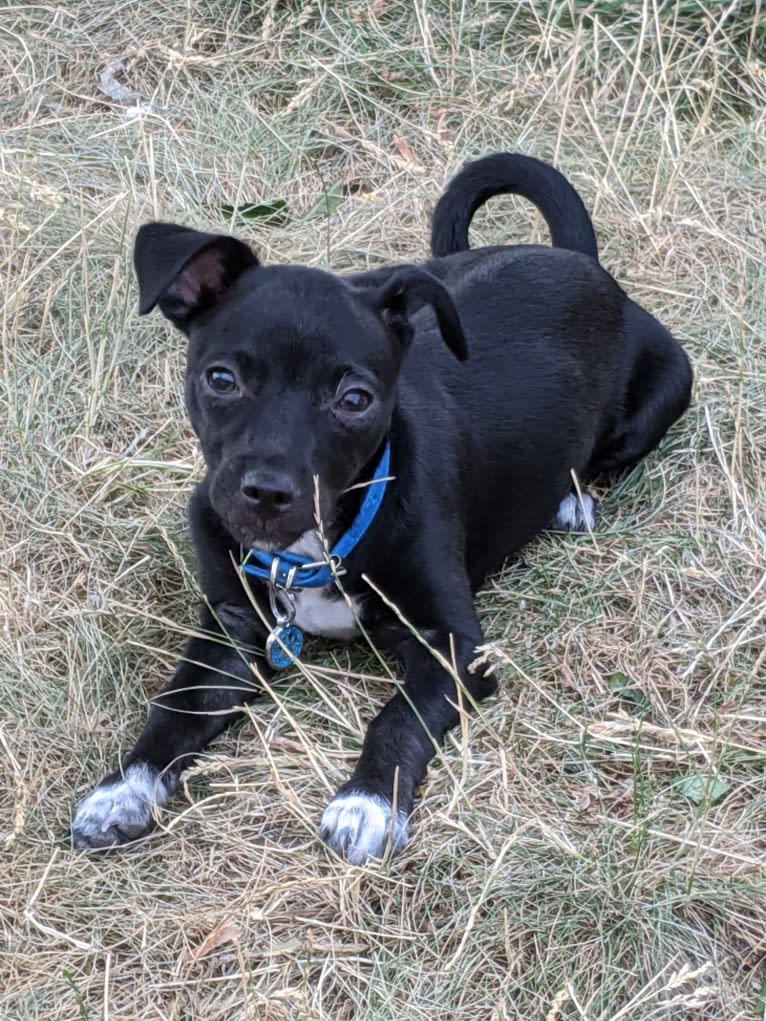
(559, 869)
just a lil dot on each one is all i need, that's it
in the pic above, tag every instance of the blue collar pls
(291, 571)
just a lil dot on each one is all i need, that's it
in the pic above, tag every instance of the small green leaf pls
(703, 788)
(635, 700)
(270, 213)
(328, 203)
(618, 681)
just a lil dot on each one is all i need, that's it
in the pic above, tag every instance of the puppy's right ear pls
(184, 271)
(408, 287)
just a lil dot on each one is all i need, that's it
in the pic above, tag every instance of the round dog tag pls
(283, 646)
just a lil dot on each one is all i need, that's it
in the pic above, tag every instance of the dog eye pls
(354, 400)
(221, 380)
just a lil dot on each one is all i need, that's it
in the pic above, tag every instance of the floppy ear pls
(185, 271)
(404, 292)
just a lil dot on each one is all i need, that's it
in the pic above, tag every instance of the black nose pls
(271, 493)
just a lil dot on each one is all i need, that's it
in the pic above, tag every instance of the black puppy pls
(430, 419)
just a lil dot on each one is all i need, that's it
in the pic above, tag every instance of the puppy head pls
(291, 372)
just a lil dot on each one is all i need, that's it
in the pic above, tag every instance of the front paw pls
(120, 809)
(358, 825)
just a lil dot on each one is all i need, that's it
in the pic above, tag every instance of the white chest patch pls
(322, 611)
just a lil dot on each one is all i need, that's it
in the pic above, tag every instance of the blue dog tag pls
(283, 646)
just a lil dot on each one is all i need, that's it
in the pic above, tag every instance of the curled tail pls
(508, 172)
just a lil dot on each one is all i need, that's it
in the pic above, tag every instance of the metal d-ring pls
(284, 615)
(336, 565)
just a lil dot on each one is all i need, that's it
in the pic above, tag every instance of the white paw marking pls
(357, 826)
(574, 516)
(121, 811)
(322, 612)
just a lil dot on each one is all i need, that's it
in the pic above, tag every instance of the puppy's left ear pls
(185, 271)
(406, 290)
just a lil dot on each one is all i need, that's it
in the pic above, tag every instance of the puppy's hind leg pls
(656, 394)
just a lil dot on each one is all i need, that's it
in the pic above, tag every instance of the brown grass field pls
(592, 845)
